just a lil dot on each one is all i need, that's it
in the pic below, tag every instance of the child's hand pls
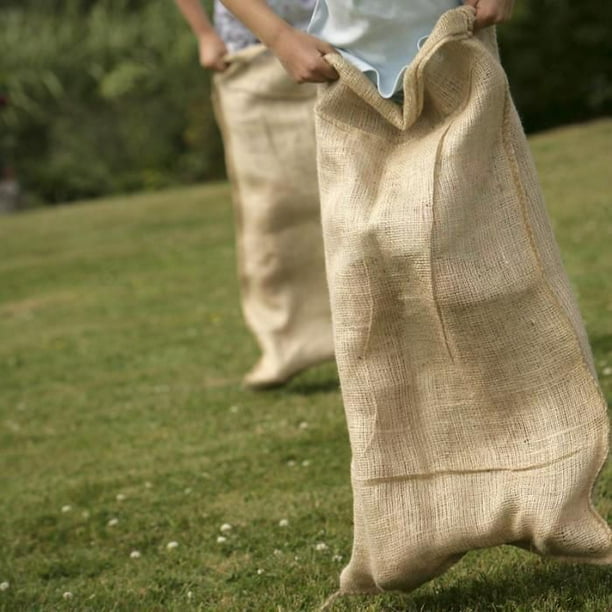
(212, 51)
(490, 12)
(302, 56)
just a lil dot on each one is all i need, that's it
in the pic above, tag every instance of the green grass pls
(122, 348)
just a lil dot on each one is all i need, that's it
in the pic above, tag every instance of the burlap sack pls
(474, 415)
(267, 123)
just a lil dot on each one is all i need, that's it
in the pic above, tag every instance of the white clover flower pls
(13, 426)
(278, 552)
(225, 527)
(291, 463)
(260, 572)
(607, 371)
(337, 558)
(135, 555)
(306, 462)
(148, 485)
(113, 522)
(221, 539)
(189, 594)
(120, 497)
(4, 585)
(234, 409)
(67, 595)
(85, 514)
(171, 545)
(187, 491)
(66, 508)
(303, 425)
(321, 546)
(283, 523)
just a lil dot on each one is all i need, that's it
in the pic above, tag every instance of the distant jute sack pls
(474, 414)
(267, 123)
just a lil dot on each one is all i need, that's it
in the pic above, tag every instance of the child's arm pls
(212, 48)
(300, 53)
(490, 12)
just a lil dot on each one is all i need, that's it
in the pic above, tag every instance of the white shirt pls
(380, 37)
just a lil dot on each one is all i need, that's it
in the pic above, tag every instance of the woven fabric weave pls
(267, 123)
(474, 413)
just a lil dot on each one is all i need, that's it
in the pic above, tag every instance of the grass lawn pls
(123, 426)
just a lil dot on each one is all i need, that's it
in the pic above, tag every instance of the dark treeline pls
(558, 55)
(106, 96)
(74, 6)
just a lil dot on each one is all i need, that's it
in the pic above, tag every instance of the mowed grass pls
(123, 426)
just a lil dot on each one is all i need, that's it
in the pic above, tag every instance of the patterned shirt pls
(236, 36)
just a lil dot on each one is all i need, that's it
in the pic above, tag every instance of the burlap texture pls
(267, 123)
(474, 415)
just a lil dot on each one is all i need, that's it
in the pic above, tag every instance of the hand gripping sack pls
(474, 415)
(267, 123)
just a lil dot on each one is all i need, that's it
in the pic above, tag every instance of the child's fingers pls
(490, 12)
(212, 53)
(327, 71)
(220, 65)
(322, 72)
(325, 47)
(217, 64)
(316, 71)
(302, 57)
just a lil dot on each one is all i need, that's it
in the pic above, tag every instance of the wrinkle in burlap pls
(267, 123)
(474, 415)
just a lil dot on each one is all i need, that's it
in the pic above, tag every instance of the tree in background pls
(558, 57)
(9, 187)
(105, 99)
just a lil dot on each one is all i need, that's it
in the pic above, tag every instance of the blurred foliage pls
(104, 97)
(558, 55)
(107, 95)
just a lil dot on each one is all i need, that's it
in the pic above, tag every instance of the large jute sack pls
(474, 414)
(267, 123)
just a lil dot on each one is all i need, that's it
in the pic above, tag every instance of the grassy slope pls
(122, 349)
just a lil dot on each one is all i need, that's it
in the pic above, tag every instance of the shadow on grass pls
(311, 387)
(322, 378)
(601, 344)
(544, 586)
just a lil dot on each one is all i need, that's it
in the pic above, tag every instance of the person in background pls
(267, 126)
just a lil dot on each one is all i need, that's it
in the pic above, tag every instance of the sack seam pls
(436, 303)
(511, 158)
(492, 470)
(365, 350)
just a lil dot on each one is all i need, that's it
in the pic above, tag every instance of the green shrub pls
(557, 55)
(106, 100)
